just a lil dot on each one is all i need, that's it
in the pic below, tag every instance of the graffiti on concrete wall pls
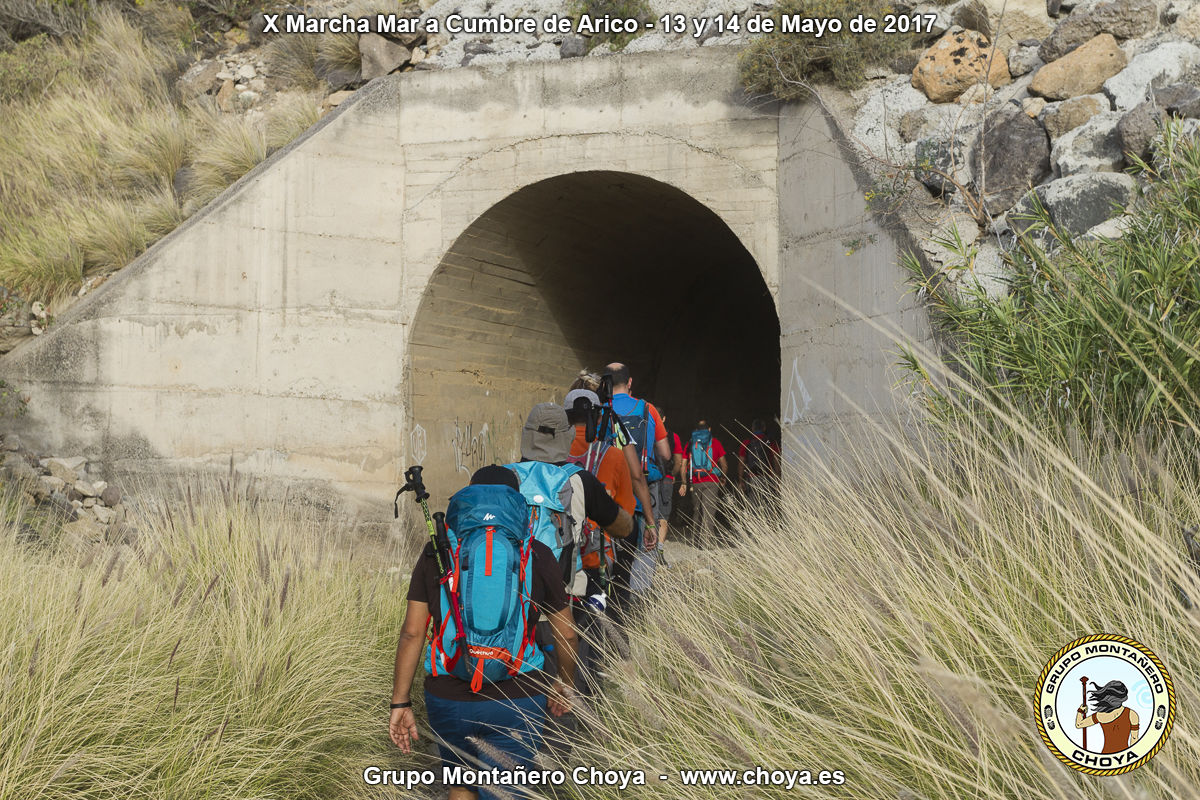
(798, 397)
(469, 447)
(418, 447)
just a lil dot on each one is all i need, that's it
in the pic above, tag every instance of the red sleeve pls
(678, 445)
(742, 450)
(660, 430)
(718, 450)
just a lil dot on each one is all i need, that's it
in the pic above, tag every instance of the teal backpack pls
(701, 457)
(493, 572)
(548, 494)
(641, 427)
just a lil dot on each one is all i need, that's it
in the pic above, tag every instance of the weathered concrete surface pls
(278, 330)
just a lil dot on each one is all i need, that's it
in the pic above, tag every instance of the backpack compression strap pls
(438, 648)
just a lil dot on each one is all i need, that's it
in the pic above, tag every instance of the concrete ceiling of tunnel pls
(625, 263)
(629, 268)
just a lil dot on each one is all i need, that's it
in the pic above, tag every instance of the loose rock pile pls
(1070, 92)
(89, 511)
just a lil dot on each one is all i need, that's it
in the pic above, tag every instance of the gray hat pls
(547, 434)
(575, 394)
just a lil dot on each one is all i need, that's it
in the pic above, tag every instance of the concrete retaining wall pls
(273, 330)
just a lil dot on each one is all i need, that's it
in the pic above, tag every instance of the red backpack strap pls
(450, 660)
(528, 637)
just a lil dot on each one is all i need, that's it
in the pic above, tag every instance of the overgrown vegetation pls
(1090, 331)
(789, 65)
(230, 652)
(892, 621)
(96, 148)
(617, 9)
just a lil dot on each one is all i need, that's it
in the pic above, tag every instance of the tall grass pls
(231, 652)
(92, 139)
(892, 620)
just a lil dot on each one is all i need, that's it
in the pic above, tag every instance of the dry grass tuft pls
(149, 670)
(892, 618)
(92, 140)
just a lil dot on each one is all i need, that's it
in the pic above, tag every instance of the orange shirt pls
(613, 471)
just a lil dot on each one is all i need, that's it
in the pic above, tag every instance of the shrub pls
(31, 68)
(292, 114)
(230, 146)
(58, 18)
(92, 138)
(109, 234)
(1090, 330)
(338, 58)
(293, 59)
(624, 9)
(788, 65)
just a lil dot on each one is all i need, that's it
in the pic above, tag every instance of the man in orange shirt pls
(605, 462)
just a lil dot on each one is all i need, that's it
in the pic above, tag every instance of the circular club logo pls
(1105, 704)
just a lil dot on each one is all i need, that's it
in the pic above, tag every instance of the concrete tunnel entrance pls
(577, 271)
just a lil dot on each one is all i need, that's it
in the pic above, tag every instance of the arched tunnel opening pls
(577, 271)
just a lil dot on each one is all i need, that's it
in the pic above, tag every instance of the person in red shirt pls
(758, 460)
(703, 468)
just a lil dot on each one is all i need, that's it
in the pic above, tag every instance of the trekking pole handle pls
(412, 483)
(415, 482)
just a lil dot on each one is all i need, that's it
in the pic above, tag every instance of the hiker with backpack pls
(561, 497)
(645, 424)
(641, 490)
(645, 562)
(486, 693)
(603, 459)
(703, 468)
(600, 457)
(758, 462)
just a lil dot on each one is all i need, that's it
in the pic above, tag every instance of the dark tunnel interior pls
(577, 271)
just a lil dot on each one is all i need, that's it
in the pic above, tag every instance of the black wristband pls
(407, 704)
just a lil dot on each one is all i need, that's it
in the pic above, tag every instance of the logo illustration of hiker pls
(1105, 704)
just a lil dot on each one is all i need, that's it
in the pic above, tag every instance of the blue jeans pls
(510, 730)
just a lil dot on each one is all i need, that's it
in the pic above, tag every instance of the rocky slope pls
(1057, 108)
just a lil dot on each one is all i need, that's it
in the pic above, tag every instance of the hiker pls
(607, 463)
(758, 461)
(604, 460)
(703, 466)
(671, 471)
(561, 497)
(645, 424)
(645, 563)
(486, 694)
(1118, 723)
(641, 490)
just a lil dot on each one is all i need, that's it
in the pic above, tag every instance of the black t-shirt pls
(597, 503)
(548, 595)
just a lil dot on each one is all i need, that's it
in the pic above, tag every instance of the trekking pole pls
(1083, 681)
(436, 524)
